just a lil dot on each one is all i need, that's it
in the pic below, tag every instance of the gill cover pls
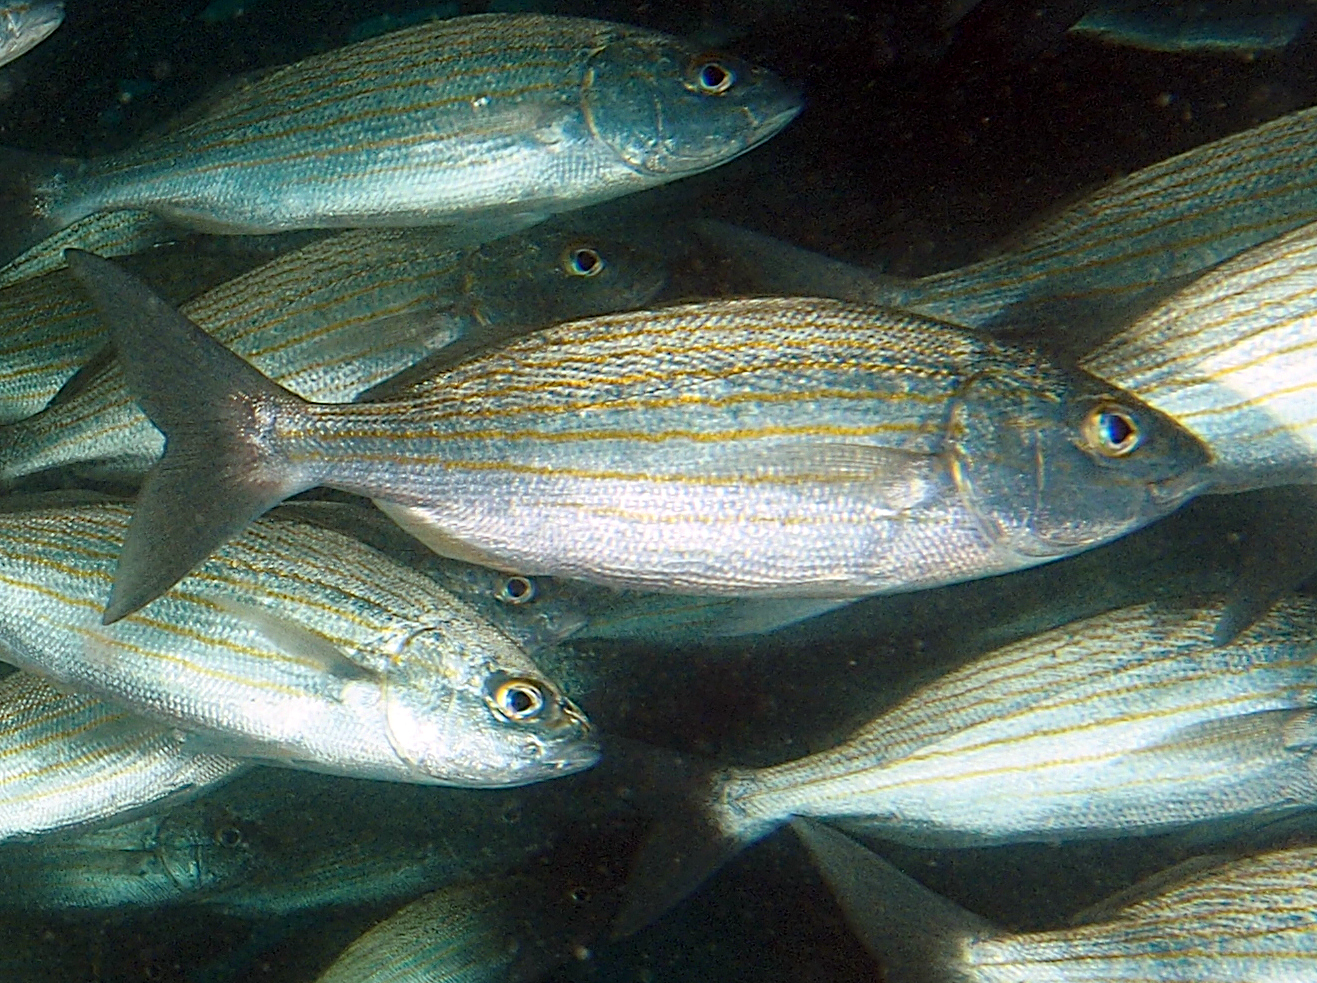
(1052, 462)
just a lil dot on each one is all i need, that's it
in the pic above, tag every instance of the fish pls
(678, 450)
(1220, 27)
(24, 25)
(1209, 919)
(498, 119)
(1095, 264)
(68, 760)
(295, 646)
(1128, 723)
(274, 842)
(514, 927)
(118, 233)
(329, 321)
(1233, 359)
(540, 612)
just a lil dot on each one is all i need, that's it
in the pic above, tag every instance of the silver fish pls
(1105, 257)
(69, 760)
(680, 450)
(297, 646)
(329, 320)
(1131, 722)
(538, 612)
(1233, 359)
(1218, 27)
(498, 118)
(506, 928)
(24, 25)
(1228, 921)
(105, 233)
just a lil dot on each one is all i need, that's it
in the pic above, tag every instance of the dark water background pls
(917, 151)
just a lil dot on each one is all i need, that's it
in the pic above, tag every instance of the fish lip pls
(1171, 493)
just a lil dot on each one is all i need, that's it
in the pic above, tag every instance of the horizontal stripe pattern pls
(68, 759)
(1122, 723)
(1169, 220)
(293, 644)
(1233, 358)
(117, 233)
(1248, 919)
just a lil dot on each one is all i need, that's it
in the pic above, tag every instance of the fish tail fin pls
(222, 466)
(917, 935)
(32, 206)
(698, 830)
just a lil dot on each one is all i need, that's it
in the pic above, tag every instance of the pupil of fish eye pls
(714, 78)
(585, 262)
(520, 700)
(517, 590)
(579, 894)
(229, 836)
(1118, 431)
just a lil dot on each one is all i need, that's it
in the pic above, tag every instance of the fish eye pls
(712, 77)
(583, 261)
(228, 836)
(516, 590)
(1111, 431)
(519, 699)
(579, 894)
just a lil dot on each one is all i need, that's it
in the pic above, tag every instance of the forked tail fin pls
(917, 935)
(222, 465)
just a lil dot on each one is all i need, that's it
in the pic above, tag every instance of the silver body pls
(1129, 722)
(297, 647)
(117, 233)
(69, 760)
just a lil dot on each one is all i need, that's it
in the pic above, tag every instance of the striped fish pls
(1228, 921)
(1233, 359)
(1102, 258)
(764, 447)
(69, 760)
(296, 646)
(328, 320)
(1131, 722)
(118, 233)
(500, 118)
(506, 928)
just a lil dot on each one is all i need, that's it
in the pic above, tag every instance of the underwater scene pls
(606, 490)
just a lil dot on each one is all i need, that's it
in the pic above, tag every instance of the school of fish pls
(514, 452)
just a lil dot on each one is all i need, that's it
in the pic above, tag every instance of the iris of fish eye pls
(517, 590)
(714, 78)
(229, 836)
(519, 699)
(1113, 432)
(583, 261)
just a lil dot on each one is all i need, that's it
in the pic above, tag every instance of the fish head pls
(469, 708)
(544, 277)
(1051, 462)
(535, 612)
(668, 109)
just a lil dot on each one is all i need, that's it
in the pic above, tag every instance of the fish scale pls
(300, 647)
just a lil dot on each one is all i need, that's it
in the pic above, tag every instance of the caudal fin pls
(917, 935)
(693, 836)
(30, 193)
(220, 468)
